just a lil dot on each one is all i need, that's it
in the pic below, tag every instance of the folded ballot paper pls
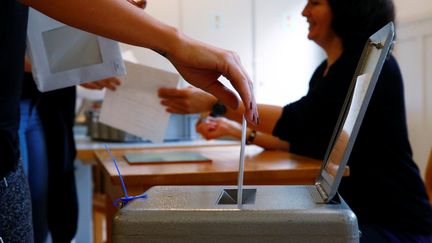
(63, 56)
(135, 106)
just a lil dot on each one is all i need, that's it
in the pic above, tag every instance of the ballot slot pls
(229, 196)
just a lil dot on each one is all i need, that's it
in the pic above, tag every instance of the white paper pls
(359, 94)
(241, 164)
(335, 157)
(129, 56)
(135, 106)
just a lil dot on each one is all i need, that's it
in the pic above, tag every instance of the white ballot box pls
(211, 214)
(309, 213)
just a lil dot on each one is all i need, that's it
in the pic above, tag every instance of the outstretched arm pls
(200, 64)
(211, 128)
(191, 100)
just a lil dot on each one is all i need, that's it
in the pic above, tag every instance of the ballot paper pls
(63, 56)
(241, 164)
(135, 106)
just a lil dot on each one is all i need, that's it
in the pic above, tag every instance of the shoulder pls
(391, 64)
(391, 71)
(390, 82)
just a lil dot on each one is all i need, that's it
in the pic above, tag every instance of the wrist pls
(218, 109)
(172, 42)
(210, 103)
(251, 137)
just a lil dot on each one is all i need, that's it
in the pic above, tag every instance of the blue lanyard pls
(121, 202)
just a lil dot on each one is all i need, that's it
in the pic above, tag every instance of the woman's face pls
(319, 16)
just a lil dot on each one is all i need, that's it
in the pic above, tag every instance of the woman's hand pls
(201, 65)
(188, 100)
(216, 127)
(211, 128)
(109, 83)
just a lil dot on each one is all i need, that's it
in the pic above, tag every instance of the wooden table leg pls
(111, 210)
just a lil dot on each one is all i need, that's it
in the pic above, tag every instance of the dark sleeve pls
(385, 118)
(308, 123)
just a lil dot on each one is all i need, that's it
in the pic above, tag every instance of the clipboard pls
(165, 157)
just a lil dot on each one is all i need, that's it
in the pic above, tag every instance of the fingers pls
(186, 100)
(139, 3)
(174, 99)
(91, 86)
(224, 94)
(207, 129)
(175, 106)
(243, 84)
(232, 69)
(201, 65)
(109, 83)
(211, 128)
(171, 93)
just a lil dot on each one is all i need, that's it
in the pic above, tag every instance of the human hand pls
(216, 127)
(139, 3)
(201, 65)
(109, 83)
(188, 100)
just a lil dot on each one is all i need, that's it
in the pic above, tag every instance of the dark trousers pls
(15, 208)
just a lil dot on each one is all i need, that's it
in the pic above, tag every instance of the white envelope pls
(63, 56)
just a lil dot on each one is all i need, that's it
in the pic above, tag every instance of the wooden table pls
(261, 168)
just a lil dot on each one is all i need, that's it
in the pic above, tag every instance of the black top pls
(384, 187)
(13, 26)
(29, 88)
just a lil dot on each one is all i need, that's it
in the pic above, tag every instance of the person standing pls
(198, 63)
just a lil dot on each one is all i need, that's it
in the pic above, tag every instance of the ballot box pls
(307, 213)
(211, 214)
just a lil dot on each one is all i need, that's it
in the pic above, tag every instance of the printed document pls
(135, 106)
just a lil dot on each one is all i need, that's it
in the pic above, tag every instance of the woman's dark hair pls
(355, 20)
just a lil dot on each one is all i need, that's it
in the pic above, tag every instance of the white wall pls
(269, 36)
(285, 58)
(167, 11)
(408, 10)
(414, 53)
(223, 23)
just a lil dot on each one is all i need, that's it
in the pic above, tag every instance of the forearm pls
(261, 139)
(268, 141)
(114, 19)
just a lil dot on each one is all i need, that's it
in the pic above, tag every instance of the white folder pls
(63, 56)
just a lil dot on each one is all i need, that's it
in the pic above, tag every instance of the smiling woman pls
(385, 191)
(319, 16)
